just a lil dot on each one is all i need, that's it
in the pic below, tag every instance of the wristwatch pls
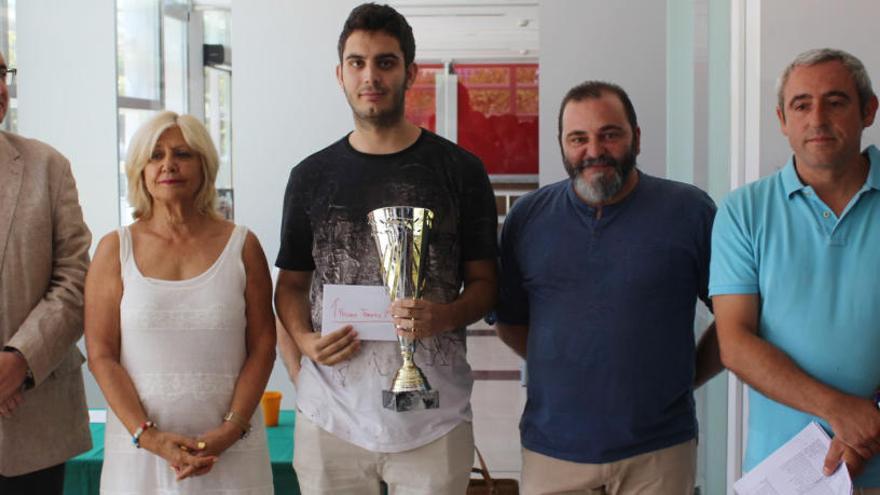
(28, 382)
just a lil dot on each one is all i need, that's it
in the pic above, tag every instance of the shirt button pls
(826, 214)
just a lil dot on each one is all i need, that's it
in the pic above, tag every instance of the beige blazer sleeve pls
(43, 258)
(54, 325)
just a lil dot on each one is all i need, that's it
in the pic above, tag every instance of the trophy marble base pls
(411, 401)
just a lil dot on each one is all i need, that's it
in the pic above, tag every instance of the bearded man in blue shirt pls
(601, 273)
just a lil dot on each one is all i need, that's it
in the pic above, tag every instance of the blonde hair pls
(141, 149)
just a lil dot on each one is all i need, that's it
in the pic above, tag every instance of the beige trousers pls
(668, 471)
(326, 464)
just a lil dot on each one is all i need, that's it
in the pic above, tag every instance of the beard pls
(600, 187)
(381, 118)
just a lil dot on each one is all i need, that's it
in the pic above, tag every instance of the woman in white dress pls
(179, 328)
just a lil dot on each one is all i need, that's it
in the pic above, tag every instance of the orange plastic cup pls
(271, 404)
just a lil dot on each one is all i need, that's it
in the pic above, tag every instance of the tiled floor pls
(497, 400)
(497, 407)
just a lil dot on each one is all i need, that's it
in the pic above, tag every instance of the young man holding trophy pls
(368, 411)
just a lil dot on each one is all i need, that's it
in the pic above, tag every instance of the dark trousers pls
(49, 481)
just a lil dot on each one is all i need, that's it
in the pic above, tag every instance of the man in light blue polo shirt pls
(794, 272)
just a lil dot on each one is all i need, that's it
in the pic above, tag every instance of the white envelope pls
(365, 307)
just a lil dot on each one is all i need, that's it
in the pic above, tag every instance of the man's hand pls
(856, 422)
(840, 451)
(8, 408)
(331, 348)
(420, 318)
(13, 368)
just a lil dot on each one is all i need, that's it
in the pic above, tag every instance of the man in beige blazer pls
(43, 260)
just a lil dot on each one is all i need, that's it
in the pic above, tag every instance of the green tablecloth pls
(83, 474)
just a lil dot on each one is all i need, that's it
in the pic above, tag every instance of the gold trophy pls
(401, 234)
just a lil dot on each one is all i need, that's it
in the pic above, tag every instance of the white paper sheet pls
(796, 468)
(365, 307)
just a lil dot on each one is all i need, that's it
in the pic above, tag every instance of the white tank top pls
(183, 345)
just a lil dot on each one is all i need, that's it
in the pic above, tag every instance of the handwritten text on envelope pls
(365, 307)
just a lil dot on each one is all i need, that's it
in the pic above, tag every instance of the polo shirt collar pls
(790, 180)
(873, 180)
(792, 183)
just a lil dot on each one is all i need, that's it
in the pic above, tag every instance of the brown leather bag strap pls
(485, 470)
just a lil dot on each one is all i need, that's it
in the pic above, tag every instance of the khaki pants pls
(668, 471)
(326, 464)
(866, 491)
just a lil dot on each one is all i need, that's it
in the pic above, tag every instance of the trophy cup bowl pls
(401, 234)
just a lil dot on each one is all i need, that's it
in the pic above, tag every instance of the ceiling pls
(461, 29)
(475, 29)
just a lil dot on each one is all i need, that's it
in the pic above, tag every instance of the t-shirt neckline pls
(372, 156)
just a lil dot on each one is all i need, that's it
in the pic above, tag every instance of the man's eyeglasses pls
(8, 75)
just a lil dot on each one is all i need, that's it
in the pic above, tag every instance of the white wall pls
(620, 42)
(788, 27)
(67, 94)
(286, 102)
(286, 105)
(67, 98)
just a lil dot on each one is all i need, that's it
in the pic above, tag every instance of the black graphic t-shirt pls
(325, 230)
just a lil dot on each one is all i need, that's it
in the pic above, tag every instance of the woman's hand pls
(219, 439)
(179, 451)
(212, 444)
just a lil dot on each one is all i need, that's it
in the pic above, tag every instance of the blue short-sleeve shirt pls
(817, 276)
(609, 303)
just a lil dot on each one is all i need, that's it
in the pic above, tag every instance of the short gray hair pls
(819, 55)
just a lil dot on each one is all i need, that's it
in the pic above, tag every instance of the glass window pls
(130, 119)
(217, 27)
(159, 69)
(139, 79)
(174, 63)
(7, 46)
(138, 49)
(218, 103)
(218, 91)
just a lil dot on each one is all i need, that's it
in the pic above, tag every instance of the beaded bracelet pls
(136, 438)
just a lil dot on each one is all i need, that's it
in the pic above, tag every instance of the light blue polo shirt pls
(818, 276)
